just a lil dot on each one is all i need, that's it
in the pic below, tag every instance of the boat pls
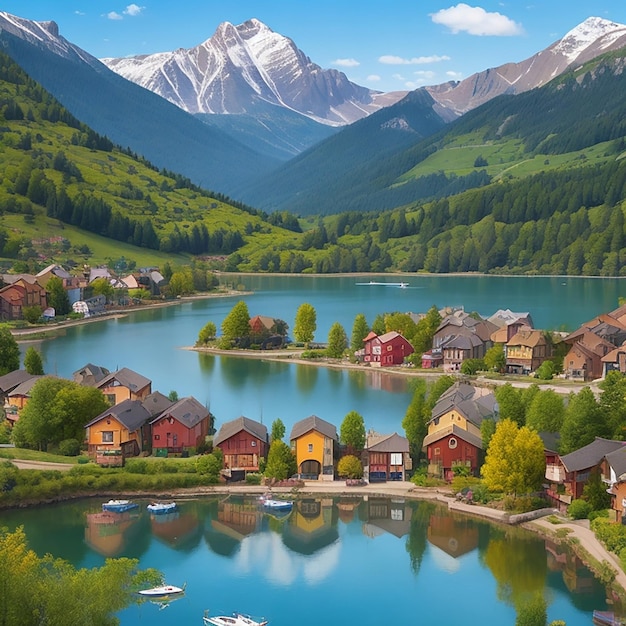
(162, 591)
(608, 618)
(236, 619)
(119, 506)
(278, 505)
(160, 508)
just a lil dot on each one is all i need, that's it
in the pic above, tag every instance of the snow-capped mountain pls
(240, 66)
(586, 41)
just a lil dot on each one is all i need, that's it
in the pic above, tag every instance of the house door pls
(312, 468)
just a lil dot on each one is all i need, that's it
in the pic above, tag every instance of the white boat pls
(163, 591)
(278, 505)
(236, 619)
(119, 506)
(159, 508)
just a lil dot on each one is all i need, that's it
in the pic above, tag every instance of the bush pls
(350, 467)
(579, 509)
(137, 466)
(69, 447)
(253, 479)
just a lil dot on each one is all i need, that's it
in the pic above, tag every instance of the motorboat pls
(236, 619)
(160, 508)
(608, 618)
(278, 505)
(162, 591)
(119, 506)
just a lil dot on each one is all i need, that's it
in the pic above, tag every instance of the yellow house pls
(124, 385)
(314, 441)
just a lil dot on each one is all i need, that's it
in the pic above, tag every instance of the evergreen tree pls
(352, 432)
(57, 296)
(236, 325)
(360, 330)
(281, 462)
(583, 421)
(9, 351)
(33, 362)
(337, 341)
(305, 324)
(415, 421)
(278, 430)
(546, 412)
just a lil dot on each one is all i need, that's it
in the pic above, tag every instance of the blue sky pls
(385, 45)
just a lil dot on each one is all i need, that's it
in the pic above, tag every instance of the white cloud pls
(426, 75)
(133, 9)
(398, 77)
(390, 59)
(114, 15)
(79, 13)
(476, 21)
(373, 78)
(346, 62)
(454, 75)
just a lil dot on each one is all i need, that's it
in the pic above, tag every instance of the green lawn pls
(34, 455)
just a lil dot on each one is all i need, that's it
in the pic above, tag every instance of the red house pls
(183, 425)
(244, 443)
(386, 350)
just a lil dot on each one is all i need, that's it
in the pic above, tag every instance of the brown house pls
(386, 457)
(526, 351)
(244, 443)
(613, 469)
(584, 359)
(386, 350)
(21, 294)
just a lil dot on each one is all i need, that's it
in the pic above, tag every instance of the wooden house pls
(454, 430)
(181, 427)
(386, 457)
(583, 360)
(124, 384)
(386, 350)
(18, 295)
(526, 351)
(16, 388)
(314, 442)
(509, 323)
(243, 442)
(614, 361)
(613, 469)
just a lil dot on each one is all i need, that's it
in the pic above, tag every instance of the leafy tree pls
(45, 590)
(209, 465)
(278, 430)
(32, 314)
(532, 611)
(415, 420)
(546, 412)
(9, 351)
(515, 461)
(350, 466)
(352, 432)
(236, 324)
(487, 429)
(57, 296)
(583, 421)
(33, 362)
(281, 462)
(337, 341)
(402, 323)
(546, 371)
(207, 333)
(471, 366)
(379, 327)
(495, 360)
(360, 330)
(181, 283)
(58, 409)
(613, 403)
(595, 493)
(510, 404)
(172, 396)
(101, 286)
(425, 330)
(305, 324)
(436, 390)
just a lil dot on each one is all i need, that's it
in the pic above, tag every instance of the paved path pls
(41, 465)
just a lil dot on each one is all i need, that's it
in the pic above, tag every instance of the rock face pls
(242, 66)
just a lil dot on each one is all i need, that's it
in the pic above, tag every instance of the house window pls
(437, 451)
(157, 437)
(452, 443)
(395, 458)
(107, 436)
(389, 348)
(110, 398)
(310, 447)
(253, 444)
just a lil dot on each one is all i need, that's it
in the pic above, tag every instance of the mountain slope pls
(115, 107)
(243, 66)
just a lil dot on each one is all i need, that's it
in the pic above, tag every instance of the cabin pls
(243, 442)
(124, 384)
(314, 443)
(386, 350)
(583, 361)
(526, 351)
(181, 428)
(386, 457)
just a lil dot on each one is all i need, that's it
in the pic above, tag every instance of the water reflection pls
(306, 378)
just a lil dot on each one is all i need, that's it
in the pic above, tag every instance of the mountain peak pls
(589, 33)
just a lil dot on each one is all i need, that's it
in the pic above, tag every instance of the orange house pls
(124, 385)
(314, 442)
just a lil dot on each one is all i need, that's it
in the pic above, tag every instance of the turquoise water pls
(151, 342)
(350, 560)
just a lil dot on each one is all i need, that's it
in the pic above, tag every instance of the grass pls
(24, 454)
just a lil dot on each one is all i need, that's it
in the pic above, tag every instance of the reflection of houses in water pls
(346, 508)
(389, 516)
(577, 577)
(377, 379)
(177, 529)
(109, 533)
(312, 526)
(454, 535)
(237, 518)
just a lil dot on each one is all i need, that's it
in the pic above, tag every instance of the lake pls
(150, 342)
(348, 560)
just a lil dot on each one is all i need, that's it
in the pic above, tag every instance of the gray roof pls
(590, 455)
(227, 430)
(126, 378)
(550, 440)
(313, 423)
(471, 402)
(10, 381)
(156, 403)
(90, 374)
(461, 342)
(130, 413)
(25, 387)
(457, 431)
(617, 461)
(387, 443)
(188, 411)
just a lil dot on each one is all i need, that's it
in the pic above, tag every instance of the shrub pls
(69, 447)
(83, 459)
(253, 479)
(579, 509)
(350, 467)
(137, 466)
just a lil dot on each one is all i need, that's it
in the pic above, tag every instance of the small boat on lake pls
(161, 508)
(119, 506)
(161, 592)
(236, 619)
(608, 618)
(278, 505)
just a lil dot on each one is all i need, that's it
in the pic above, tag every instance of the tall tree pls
(583, 421)
(415, 420)
(337, 341)
(305, 323)
(57, 296)
(360, 330)
(352, 432)
(9, 351)
(278, 430)
(546, 411)
(281, 462)
(33, 363)
(425, 330)
(510, 404)
(613, 403)
(236, 324)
